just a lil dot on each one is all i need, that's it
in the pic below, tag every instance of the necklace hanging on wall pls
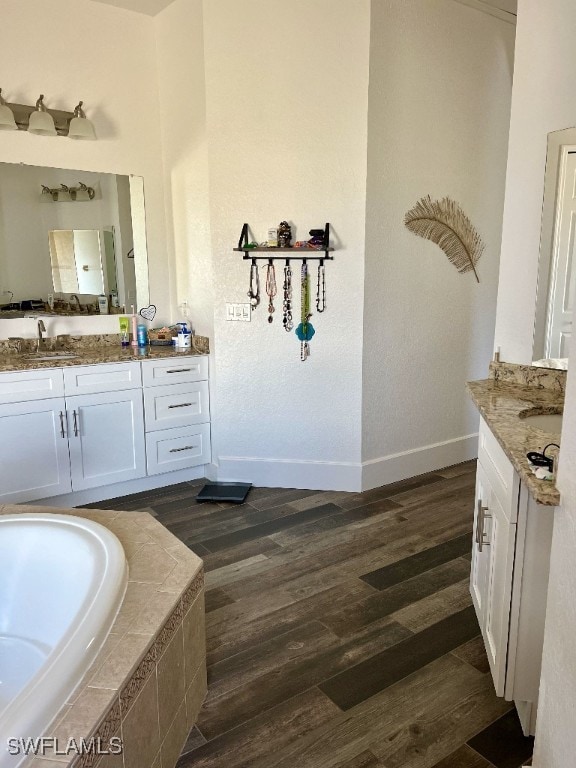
(254, 291)
(287, 302)
(271, 289)
(305, 330)
(321, 288)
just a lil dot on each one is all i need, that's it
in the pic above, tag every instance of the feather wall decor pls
(446, 224)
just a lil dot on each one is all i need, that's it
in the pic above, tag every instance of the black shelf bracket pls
(275, 252)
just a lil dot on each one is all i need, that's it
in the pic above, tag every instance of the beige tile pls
(119, 665)
(151, 563)
(144, 609)
(103, 516)
(140, 731)
(112, 760)
(160, 534)
(108, 647)
(175, 738)
(157, 762)
(194, 638)
(85, 713)
(195, 695)
(41, 762)
(129, 530)
(179, 578)
(171, 683)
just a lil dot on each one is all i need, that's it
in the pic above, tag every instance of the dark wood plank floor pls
(340, 630)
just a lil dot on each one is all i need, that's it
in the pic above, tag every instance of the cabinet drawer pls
(22, 386)
(177, 448)
(106, 377)
(499, 470)
(174, 370)
(176, 405)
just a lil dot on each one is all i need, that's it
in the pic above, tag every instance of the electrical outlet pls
(240, 312)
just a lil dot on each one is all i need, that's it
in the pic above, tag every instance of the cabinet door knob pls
(62, 430)
(75, 415)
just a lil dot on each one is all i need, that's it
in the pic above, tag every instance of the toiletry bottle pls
(142, 335)
(124, 331)
(103, 304)
(134, 341)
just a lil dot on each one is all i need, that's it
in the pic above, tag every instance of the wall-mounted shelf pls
(276, 252)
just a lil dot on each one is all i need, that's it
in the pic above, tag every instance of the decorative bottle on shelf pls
(284, 235)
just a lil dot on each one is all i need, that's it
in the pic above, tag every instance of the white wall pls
(440, 84)
(75, 49)
(287, 98)
(180, 52)
(543, 101)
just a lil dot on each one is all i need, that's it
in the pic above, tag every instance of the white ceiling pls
(152, 7)
(149, 7)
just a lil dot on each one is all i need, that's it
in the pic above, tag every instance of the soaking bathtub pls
(62, 581)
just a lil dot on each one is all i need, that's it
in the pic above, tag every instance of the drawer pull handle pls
(180, 405)
(62, 430)
(75, 415)
(180, 370)
(186, 448)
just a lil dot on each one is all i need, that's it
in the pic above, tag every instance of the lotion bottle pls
(134, 341)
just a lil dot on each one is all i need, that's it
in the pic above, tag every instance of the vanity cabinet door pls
(33, 451)
(500, 542)
(480, 554)
(106, 438)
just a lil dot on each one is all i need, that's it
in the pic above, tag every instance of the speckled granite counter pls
(500, 400)
(88, 350)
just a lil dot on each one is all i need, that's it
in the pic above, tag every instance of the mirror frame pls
(139, 237)
(557, 141)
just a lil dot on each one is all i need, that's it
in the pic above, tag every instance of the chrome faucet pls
(74, 297)
(41, 330)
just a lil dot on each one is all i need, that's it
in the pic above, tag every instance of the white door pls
(480, 551)
(106, 438)
(563, 273)
(34, 462)
(499, 536)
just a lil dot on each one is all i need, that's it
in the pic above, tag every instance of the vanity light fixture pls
(41, 121)
(45, 122)
(80, 126)
(7, 121)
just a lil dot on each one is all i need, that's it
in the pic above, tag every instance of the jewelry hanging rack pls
(273, 252)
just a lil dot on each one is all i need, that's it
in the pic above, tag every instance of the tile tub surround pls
(148, 682)
(500, 402)
(90, 350)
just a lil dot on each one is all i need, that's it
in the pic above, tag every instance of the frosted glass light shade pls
(81, 128)
(7, 122)
(42, 124)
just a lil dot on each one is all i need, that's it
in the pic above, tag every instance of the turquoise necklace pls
(305, 330)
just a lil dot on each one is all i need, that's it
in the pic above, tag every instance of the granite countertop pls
(500, 404)
(91, 350)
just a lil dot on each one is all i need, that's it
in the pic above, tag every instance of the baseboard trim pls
(346, 476)
(289, 473)
(399, 466)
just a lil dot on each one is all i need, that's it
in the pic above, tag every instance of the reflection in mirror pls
(59, 252)
(556, 269)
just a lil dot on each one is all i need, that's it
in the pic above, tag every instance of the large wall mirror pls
(557, 266)
(68, 237)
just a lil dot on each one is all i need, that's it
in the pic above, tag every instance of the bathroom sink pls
(43, 356)
(549, 422)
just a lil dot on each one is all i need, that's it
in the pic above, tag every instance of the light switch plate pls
(241, 312)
